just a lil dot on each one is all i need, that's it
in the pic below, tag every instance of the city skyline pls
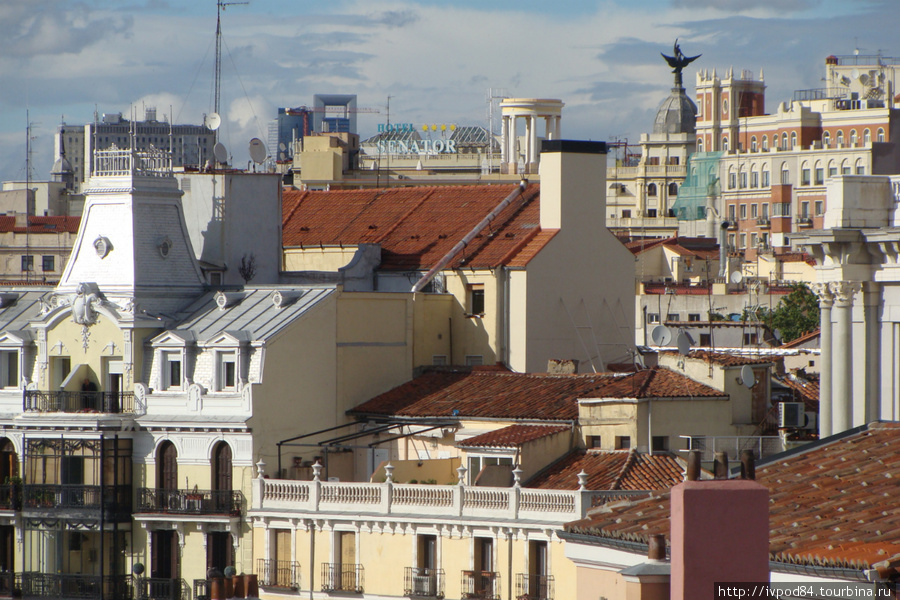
(63, 62)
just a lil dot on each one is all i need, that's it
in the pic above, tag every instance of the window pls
(754, 211)
(754, 179)
(626, 214)
(48, 263)
(784, 139)
(725, 144)
(765, 176)
(226, 371)
(660, 443)
(743, 241)
(594, 441)
(171, 365)
(765, 210)
(750, 339)
(705, 340)
(785, 174)
(623, 442)
(804, 210)
(867, 137)
(439, 360)
(840, 138)
(731, 214)
(474, 360)
(732, 180)
(27, 262)
(879, 135)
(731, 240)
(743, 212)
(673, 189)
(826, 140)
(753, 144)
(651, 212)
(653, 317)
(477, 463)
(853, 138)
(743, 178)
(693, 317)
(832, 169)
(845, 167)
(651, 189)
(793, 139)
(860, 168)
(476, 299)
(699, 144)
(819, 207)
(9, 368)
(673, 317)
(804, 175)
(753, 240)
(819, 174)
(765, 142)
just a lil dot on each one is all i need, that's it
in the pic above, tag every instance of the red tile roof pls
(40, 224)
(417, 226)
(729, 360)
(473, 394)
(513, 436)
(806, 337)
(832, 504)
(613, 470)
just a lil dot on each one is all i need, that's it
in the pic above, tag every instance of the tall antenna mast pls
(220, 6)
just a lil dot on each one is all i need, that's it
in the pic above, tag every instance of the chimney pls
(556, 366)
(573, 185)
(649, 580)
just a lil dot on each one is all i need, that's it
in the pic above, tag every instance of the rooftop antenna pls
(220, 6)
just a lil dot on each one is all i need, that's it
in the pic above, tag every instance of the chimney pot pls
(693, 465)
(657, 550)
(748, 464)
(720, 465)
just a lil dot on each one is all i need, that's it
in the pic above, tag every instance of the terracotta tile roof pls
(728, 360)
(796, 257)
(701, 248)
(512, 436)
(40, 224)
(417, 226)
(613, 470)
(794, 343)
(831, 504)
(479, 393)
(804, 389)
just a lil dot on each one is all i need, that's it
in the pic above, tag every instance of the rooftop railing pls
(78, 402)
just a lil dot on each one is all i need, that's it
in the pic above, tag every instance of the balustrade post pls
(459, 490)
(315, 488)
(388, 491)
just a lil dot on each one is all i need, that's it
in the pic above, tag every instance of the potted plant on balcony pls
(194, 499)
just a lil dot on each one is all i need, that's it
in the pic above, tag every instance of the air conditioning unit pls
(812, 421)
(791, 415)
(423, 585)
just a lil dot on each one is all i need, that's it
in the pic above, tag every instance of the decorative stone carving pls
(84, 304)
(823, 291)
(843, 292)
(102, 246)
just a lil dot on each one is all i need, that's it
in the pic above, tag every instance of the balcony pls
(763, 222)
(78, 402)
(534, 587)
(8, 584)
(423, 582)
(68, 586)
(804, 221)
(70, 498)
(201, 589)
(484, 585)
(190, 502)
(347, 578)
(278, 573)
(153, 588)
(10, 499)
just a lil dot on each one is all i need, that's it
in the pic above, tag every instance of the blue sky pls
(61, 60)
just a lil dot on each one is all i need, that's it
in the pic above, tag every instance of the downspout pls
(421, 283)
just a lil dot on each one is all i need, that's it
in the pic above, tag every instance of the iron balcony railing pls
(78, 402)
(338, 577)
(190, 502)
(157, 588)
(8, 584)
(534, 587)
(484, 585)
(69, 586)
(201, 589)
(114, 500)
(10, 497)
(278, 573)
(423, 582)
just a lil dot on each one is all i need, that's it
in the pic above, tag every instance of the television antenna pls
(220, 6)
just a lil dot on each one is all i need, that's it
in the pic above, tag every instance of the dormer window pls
(9, 368)
(171, 365)
(226, 371)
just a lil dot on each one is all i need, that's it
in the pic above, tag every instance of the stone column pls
(549, 133)
(556, 134)
(529, 141)
(872, 310)
(504, 140)
(826, 300)
(842, 358)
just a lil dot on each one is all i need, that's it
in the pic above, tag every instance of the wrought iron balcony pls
(534, 587)
(69, 586)
(66, 498)
(278, 573)
(338, 577)
(423, 582)
(78, 402)
(190, 502)
(157, 588)
(10, 498)
(201, 589)
(484, 585)
(10, 584)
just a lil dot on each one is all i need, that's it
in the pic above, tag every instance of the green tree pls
(796, 314)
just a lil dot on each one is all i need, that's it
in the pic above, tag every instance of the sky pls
(438, 61)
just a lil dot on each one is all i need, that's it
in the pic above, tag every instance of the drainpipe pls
(421, 283)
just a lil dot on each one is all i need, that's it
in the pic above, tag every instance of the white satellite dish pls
(748, 377)
(214, 121)
(661, 335)
(736, 277)
(257, 150)
(220, 152)
(854, 73)
(683, 342)
(864, 79)
(282, 146)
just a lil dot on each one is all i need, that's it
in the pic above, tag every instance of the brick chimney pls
(573, 185)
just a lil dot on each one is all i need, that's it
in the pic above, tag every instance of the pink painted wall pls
(720, 533)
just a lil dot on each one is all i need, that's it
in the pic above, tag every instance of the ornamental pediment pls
(175, 337)
(230, 338)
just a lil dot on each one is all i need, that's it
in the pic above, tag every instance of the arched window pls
(840, 138)
(221, 466)
(754, 177)
(742, 175)
(765, 176)
(673, 189)
(753, 144)
(860, 167)
(845, 167)
(793, 139)
(879, 135)
(819, 173)
(826, 140)
(784, 139)
(167, 467)
(867, 137)
(853, 138)
(725, 143)
(832, 168)
(732, 179)
(9, 461)
(804, 173)
(651, 189)
(700, 144)
(785, 174)
(765, 143)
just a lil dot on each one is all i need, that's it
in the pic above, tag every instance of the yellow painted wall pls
(100, 335)
(432, 326)
(443, 471)
(314, 258)
(594, 583)
(473, 335)
(541, 452)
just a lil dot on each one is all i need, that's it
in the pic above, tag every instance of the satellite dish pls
(220, 152)
(257, 150)
(748, 377)
(661, 335)
(282, 146)
(845, 80)
(864, 79)
(736, 277)
(683, 342)
(213, 121)
(854, 73)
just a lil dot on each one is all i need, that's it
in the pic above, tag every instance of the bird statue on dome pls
(679, 62)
